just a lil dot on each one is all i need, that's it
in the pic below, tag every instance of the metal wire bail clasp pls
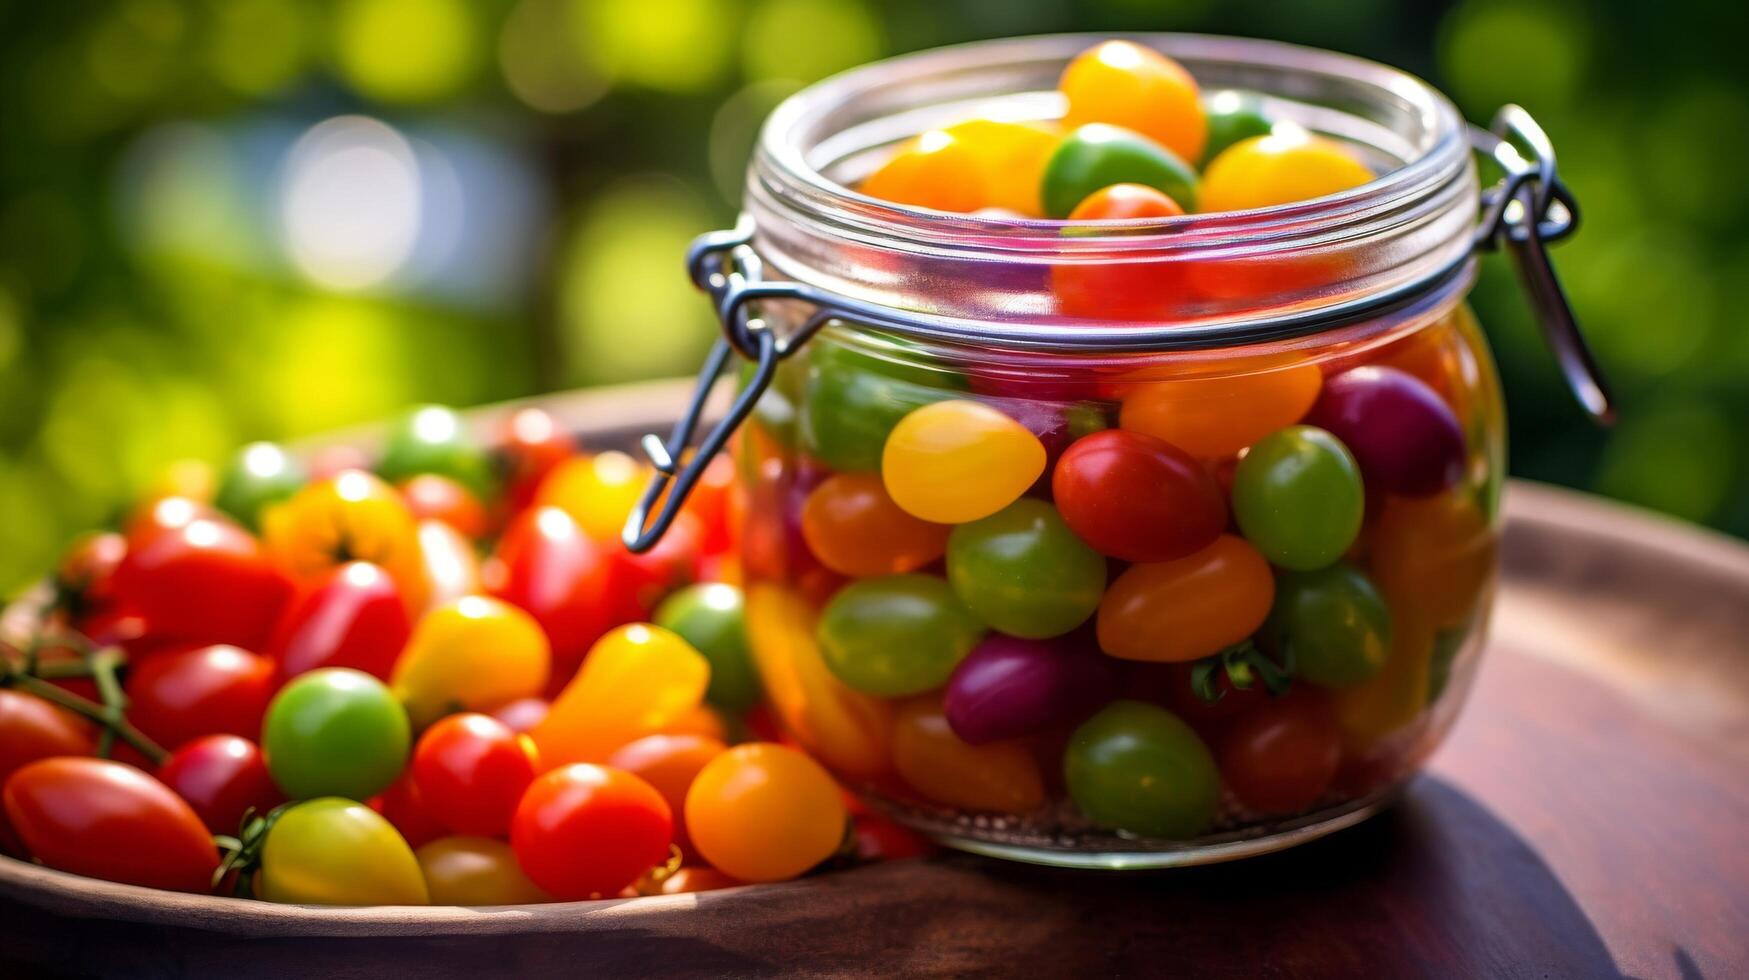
(1528, 209)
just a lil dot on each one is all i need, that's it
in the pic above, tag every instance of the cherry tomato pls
(957, 461)
(177, 696)
(936, 170)
(1395, 696)
(852, 398)
(1406, 438)
(598, 491)
(350, 616)
(881, 839)
(261, 475)
(475, 871)
(451, 566)
(1170, 684)
(994, 777)
(1214, 416)
(223, 777)
(1125, 84)
(1009, 687)
(335, 732)
(1134, 497)
(713, 618)
(584, 830)
(696, 878)
(32, 729)
(1298, 497)
(855, 528)
(847, 729)
(166, 514)
(548, 566)
(1435, 553)
(432, 439)
(1095, 156)
(637, 583)
(473, 654)
(1279, 168)
(333, 851)
(761, 812)
(1123, 202)
(1333, 624)
(351, 516)
(433, 497)
(1231, 117)
(669, 763)
(1023, 571)
(636, 680)
(898, 635)
(1188, 608)
(1136, 767)
(85, 578)
(471, 770)
(1011, 160)
(532, 445)
(403, 807)
(1281, 758)
(107, 820)
(205, 581)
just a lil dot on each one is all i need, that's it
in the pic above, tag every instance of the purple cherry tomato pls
(1402, 433)
(1008, 687)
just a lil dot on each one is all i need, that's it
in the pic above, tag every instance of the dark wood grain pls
(1586, 818)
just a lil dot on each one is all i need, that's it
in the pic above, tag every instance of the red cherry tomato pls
(431, 496)
(402, 806)
(166, 514)
(223, 777)
(639, 583)
(207, 581)
(584, 830)
(107, 820)
(1282, 757)
(85, 580)
(178, 696)
(32, 729)
(549, 567)
(533, 444)
(709, 502)
(351, 616)
(1134, 497)
(881, 839)
(1169, 684)
(471, 770)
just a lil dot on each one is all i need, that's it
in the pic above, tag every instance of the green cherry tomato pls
(851, 400)
(1096, 156)
(335, 732)
(261, 473)
(1298, 497)
(1136, 767)
(1022, 571)
(898, 635)
(1231, 118)
(1332, 622)
(712, 617)
(432, 440)
(332, 851)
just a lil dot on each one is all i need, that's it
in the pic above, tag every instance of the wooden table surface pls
(1586, 818)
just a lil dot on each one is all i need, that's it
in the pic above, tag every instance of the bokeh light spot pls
(349, 204)
(537, 53)
(257, 47)
(1525, 51)
(669, 45)
(838, 34)
(406, 50)
(735, 131)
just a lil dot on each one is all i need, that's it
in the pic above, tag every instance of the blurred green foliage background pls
(224, 220)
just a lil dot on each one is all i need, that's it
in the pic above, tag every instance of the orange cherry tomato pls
(1434, 553)
(761, 812)
(855, 528)
(1188, 608)
(1125, 84)
(1214, 416)
(997, 777)
(936, 170)
(669, 763)
(351, 516)
(431, 496)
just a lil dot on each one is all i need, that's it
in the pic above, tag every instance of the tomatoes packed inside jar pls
(1103, 508)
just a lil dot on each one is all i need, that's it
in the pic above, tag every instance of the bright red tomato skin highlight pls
(180, 695)
(1134, 497)
(222, 777)
(207, 581)
(107, 820)
(351, 616)
(471, 770)
(549, 567)
(584, 830)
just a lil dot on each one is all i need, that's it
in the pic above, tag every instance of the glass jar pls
(1152, 542)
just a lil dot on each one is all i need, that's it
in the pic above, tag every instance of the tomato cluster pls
(436, 679)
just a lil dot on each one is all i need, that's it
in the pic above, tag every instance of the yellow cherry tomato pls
(1011, 158)
(1396, 695)
(847, 729)
(1138, 88)
(956, 461)
(1188, 608)
(1212, 417)
(1434, 553)
(350, 516)
(635, 681)
(1283, 167)
(996, 777)
(936, 170)
(473, 654)
(452, 567)
(475, 871)
(762, 812)
(598, 491)
(330, 851)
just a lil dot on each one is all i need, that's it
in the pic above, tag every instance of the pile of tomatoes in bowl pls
(431, 676)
